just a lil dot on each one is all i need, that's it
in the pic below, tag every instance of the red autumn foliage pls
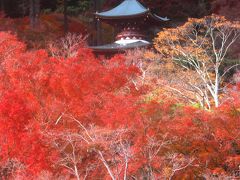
(20, 137)
(82, 117)
(50, 29)
(82, 87)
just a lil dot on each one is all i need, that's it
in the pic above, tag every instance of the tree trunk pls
(2, 5)
(216, 90)
(203, 6)
(34, 13)
(97, 4)
(76, 172)
(65, 17)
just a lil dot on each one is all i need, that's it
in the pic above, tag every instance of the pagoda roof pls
(115, 47)
(128, 9)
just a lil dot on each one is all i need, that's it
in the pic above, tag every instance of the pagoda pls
(131, 19)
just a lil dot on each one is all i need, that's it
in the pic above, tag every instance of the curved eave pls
(102, 16)
(159, 18)
(133, 16)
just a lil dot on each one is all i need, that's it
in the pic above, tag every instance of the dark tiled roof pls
(129, 9)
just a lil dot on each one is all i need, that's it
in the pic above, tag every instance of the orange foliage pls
(199, 50)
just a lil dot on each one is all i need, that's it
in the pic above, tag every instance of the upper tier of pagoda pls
(130, 18)
(129, 9)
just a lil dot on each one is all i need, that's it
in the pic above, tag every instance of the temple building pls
(131, 19)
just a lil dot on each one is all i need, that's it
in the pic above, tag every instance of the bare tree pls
(201, 45)
(151, 152)
(67, 46)
(178, 163)
(109, 147)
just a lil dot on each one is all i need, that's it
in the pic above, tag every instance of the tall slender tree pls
(34, 12)
(2, 5)
(97, 7)
(65, 5)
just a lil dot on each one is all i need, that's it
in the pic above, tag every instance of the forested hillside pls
(171, 111)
